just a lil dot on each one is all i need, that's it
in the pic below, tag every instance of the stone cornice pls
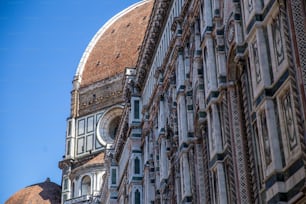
(150, 42)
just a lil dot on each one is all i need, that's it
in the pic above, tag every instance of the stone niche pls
(100, 95)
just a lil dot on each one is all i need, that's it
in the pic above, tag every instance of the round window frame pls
(104, 123)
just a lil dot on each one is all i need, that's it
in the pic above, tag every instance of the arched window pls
(137, 197)
(86, 185)
(137, 166)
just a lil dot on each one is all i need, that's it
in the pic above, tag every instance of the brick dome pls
(116, 45)
(41, 193)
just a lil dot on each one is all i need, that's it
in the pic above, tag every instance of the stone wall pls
(100, 95)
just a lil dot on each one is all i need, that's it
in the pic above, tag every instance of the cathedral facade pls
(191, 101)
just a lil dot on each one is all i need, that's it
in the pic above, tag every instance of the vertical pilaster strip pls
(211, 63)
(205, 162)
(229, 150)
(221, 184)
(239, 38)
(239, 149)
(263, 56)
(200, 173)
(163, 159)
(186, 176)
(207, 13)
(216, 130)
(182, 119)
(300, 33)
(180, 71)
(177, 183)
(253, 174)
(300, 30)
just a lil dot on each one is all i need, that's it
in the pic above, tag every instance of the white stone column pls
(211, 63)
(221, 58)
(182, 120)
(273, 135)
(197, 66)
(73, 146)
(161, 115)
(163, 163)
(207, 13)
(180, 71)
(95, 185)
(221, 184)
(221, 63)
(238, 28)
(211, 142)
(200, 173)
(263, 56)
(146, 184)
(181, 103)
(185, 172)
(216, 129)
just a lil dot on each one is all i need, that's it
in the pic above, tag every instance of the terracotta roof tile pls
(118, 47)
(99, 159)
(41, 193)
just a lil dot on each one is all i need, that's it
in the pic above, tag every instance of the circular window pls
(108, 126)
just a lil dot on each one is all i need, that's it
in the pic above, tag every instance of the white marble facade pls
(214, 111)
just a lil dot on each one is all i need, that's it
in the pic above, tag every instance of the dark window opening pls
(113, 127)
(137, 166)
(137, 197)
(136, 109)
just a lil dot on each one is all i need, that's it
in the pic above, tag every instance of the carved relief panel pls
(277, 46)
(266, 146)
(256, 75)
(288, 126)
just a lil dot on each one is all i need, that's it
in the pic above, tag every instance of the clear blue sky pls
(41, 43)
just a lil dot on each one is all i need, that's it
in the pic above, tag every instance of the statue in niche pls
(289, 121)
